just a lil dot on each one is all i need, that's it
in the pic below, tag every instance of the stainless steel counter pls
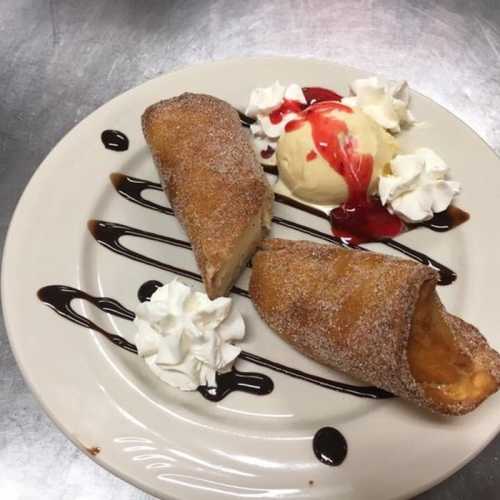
(59, 60)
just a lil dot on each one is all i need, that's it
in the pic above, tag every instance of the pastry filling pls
(438, 361)
(224, 278)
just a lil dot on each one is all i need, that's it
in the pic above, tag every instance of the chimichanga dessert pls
(214, 183)
(377, 318)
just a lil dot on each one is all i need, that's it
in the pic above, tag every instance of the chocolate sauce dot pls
(147, 289)
(330, 446)
(115, 140)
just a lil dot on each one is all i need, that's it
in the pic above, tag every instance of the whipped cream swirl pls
(385, 102)
(185, 338)
(263, 101)
(418, 186)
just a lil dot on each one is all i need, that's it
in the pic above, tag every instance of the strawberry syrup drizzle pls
(312, 95)
(286, 107)
(319, 94)
(361, 218)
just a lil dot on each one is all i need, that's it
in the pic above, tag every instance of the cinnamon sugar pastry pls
(377, 318)
(214, 183)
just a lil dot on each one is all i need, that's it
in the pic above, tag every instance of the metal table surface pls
(60, 60)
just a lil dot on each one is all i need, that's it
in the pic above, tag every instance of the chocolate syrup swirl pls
(353, 390)
(245, 120)
(59, 298)
(270, 169)
(108, 234)
(251, 383)
(446, 275)
(441, 222)
(330, 446)
(446, 220)
(115, 140)
(132, 188)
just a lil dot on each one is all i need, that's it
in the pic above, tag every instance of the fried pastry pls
(377, 318)
(214, 183)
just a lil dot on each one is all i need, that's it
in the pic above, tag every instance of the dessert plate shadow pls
(248, 444)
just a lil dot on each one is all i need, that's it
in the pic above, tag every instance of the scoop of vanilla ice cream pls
(309, 176)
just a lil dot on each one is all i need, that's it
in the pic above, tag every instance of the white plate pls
(178, 445)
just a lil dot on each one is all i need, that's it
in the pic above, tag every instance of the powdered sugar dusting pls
(209, 171)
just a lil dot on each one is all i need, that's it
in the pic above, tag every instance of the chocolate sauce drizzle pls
(353, 390)
(115, 140)
(330, 446)
(440, 222)
(270, 169)
(446, 220)
(446, 275)
(245, 120)
(251, 383)
(59, 298)
(132, 188)
(108, 234)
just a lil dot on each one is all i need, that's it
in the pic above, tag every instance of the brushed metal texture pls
(59, 60)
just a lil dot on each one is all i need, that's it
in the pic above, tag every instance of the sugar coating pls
(353, 311)
(210, 174)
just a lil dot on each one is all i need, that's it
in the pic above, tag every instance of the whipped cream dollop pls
(185, 338)
(385, 102)
(418, 186)
(263, 101)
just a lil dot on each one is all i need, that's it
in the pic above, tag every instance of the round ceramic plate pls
(180, 445)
